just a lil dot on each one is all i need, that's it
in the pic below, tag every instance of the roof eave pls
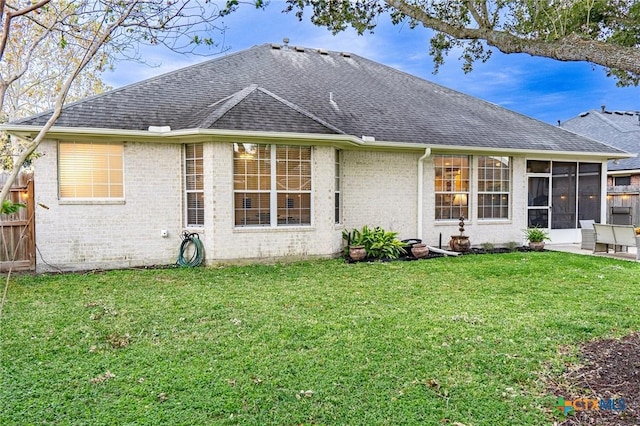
(341, 140)
(513, 151)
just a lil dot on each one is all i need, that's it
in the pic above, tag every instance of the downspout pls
(604, 205)
(427, 153)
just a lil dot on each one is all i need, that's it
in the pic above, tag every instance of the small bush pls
(488, 246)
(512, 245)
(536, 235)
(378, 243)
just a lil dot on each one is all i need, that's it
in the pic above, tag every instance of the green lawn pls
(430, 342)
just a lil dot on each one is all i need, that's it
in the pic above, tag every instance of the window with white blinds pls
(90, 171)
(272, 185)
(194, 184)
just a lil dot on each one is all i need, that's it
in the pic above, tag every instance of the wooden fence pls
(17, 230)
(624, 196)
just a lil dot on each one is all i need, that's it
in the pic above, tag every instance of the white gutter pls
(180, 136)
(427, 153)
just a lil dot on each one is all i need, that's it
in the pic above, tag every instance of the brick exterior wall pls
(379, 188)
(225, 242)
(90, 236)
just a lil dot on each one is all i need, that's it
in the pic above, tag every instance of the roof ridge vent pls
(275, 46)
(299, 49)
(346, 54)
(323, 51)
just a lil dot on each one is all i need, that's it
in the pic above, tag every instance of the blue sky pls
(541, 88)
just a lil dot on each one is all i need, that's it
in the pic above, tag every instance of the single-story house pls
(273, 151)
(619, 129)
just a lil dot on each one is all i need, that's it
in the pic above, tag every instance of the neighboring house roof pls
(620, 129)
(273, 88)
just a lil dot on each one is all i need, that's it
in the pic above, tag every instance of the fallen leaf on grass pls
(304, 393)
(103, 378)
(118, 341)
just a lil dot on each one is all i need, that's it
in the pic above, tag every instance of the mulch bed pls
(610, 370)
(434, 255)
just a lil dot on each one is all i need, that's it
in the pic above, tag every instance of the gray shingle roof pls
(287, 90)
(620, 129)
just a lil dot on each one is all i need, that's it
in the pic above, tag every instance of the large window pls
(272, 185)
(90, 171)
(451, 186)
(194, 184)
(494, 181)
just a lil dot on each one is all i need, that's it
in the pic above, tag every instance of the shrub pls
(378, 243)
(487, 246)
(536, 235)
(511, 245)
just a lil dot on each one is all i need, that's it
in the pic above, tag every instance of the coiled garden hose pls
(191, 243)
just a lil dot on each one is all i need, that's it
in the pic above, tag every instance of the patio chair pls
(588, 236)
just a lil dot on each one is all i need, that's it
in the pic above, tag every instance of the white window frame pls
(274, 191)
(82, 164)
(457, 198)
(194, 183)
(501, 193)
(337, 214)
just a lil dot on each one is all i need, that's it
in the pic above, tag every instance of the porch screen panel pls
(88, 170)
(563, 189)
(194, 184)
(589, 191)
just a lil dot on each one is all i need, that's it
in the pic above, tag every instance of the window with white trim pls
(621, 180)
(272, 185)
(494, 187)
(90, 171)
(194, 184)
(451, 186)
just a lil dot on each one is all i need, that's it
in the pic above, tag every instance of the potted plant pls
(536, 237)
(373, 243)
(355, 244)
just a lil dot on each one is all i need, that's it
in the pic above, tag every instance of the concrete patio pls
(575, 248)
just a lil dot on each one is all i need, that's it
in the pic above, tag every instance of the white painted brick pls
(379, 189)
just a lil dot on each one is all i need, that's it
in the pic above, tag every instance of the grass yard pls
(434, 342)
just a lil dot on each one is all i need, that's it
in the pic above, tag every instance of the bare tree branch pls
(96, 44)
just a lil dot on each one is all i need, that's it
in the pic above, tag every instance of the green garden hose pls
(191, 243)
